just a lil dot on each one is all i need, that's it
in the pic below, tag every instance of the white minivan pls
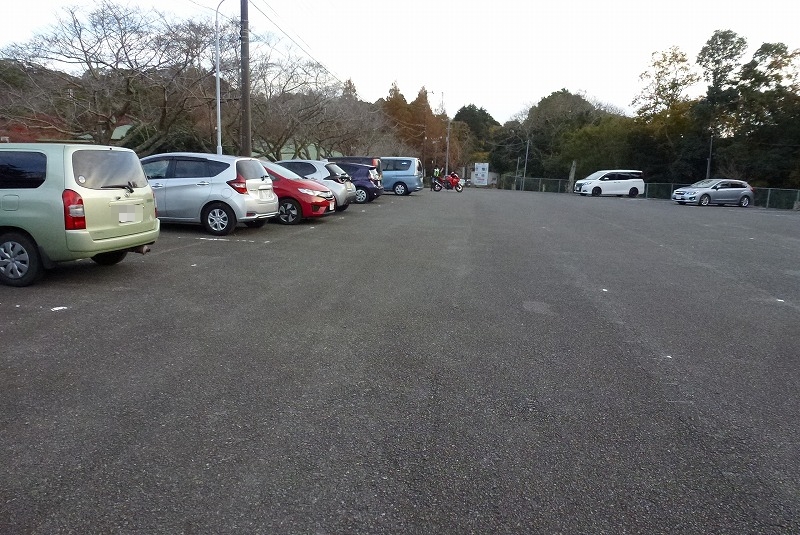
(617, 182)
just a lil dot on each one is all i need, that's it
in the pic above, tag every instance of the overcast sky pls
(501, 55)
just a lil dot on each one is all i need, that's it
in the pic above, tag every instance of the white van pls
(617, 182)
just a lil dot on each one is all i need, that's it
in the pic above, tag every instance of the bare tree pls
(301, 110)
(117, 66)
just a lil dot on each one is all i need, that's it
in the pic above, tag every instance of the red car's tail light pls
(239, 184)
(74, 212)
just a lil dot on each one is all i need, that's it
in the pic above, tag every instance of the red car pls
(298, 198)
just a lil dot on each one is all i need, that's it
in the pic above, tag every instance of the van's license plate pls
(130, 214)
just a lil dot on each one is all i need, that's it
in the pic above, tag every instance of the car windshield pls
(335, 170)
(595, 175)
(281, 171)
(98, 169)
(704, 184)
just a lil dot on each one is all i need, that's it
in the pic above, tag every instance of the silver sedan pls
(715, 191)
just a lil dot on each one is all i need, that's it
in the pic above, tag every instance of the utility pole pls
(525, 168)
(710, 149)
(247, 136)
(447, 154)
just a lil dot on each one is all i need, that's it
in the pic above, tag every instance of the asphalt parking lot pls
(483, 362)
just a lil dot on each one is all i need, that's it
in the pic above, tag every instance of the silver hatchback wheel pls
(219, 219)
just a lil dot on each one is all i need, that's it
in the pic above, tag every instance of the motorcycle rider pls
(436, 173)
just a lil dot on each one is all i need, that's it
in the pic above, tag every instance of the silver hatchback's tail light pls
(239, 184)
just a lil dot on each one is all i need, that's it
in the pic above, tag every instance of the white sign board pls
(481, 175)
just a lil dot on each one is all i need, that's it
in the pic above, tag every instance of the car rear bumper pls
(259, 209)
(81, 245)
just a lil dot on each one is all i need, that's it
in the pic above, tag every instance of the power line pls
(279, 28)
(306, 52)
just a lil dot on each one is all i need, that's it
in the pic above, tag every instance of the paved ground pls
(484, 362)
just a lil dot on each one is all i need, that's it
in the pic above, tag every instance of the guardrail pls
(785, 199)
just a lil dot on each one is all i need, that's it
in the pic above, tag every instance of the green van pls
(61, 202)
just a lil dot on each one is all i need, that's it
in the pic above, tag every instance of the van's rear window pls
(98, 169)
(22, 169)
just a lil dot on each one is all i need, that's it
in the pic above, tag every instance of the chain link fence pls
(786, 199)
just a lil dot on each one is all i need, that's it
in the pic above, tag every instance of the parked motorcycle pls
(451, 181)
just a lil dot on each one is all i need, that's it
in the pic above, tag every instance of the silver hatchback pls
(329, 175)
(715, 191)
(215, 190)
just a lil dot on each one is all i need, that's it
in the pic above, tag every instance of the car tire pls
(633, 193)
(258, 223)
(20, 264)
(289, 212)
(744, 202)
(362, 196)
(218, 219)
(596, 192)
(704, 200)
(110, 258)
(400, 189)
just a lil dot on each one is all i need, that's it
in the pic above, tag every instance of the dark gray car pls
(715, 191)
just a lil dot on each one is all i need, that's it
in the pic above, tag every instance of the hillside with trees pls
(125, 76)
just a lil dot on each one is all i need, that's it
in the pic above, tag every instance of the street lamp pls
(216, 55)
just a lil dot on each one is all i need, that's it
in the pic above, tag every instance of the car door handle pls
(205, 183)
(157, 185)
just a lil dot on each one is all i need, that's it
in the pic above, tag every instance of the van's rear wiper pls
(128, 186)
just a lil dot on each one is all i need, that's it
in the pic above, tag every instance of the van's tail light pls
(239, 184)
(74, 213)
